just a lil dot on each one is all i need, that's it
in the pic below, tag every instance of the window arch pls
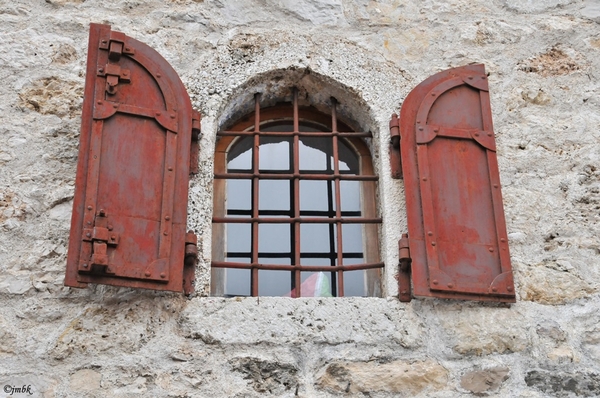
(294, 206)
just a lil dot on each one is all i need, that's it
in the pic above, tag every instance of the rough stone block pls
(563, 384)
(402, 377)
(484, 380)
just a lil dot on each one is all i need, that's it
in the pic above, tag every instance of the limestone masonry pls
(543, 59)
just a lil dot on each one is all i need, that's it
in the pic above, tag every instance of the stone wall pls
(543, 57)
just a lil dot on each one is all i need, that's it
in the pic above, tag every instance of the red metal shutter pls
(456, 228)
(130, 206)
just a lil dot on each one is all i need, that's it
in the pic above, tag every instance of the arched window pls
(294, 207)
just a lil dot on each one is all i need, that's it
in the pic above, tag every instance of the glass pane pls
(238, 237)
(240, 155)
(325, 260)
(350, 195)
(274, 195)
(274, 153)
(352, 238)
(316, 284)
(315, 153)
(317, 238)
(314, 197)
(348, 158)
(354, 284)
(237, 281)
(274, 283)
(274, 238)
(239, 194)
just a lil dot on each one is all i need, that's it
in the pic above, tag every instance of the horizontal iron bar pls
(290, 172)
(286, 213)
(282, 267)
(290, 220)
(289, 255)
(291, 134)
(272, 176)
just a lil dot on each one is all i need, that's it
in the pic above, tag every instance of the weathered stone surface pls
(545, 284)
(53, 96)
(543, 58)
(399, 377)
(85, 380)
(551, 63)
(484, 380)
(564, 384)
(534, 6)
(476, 332)
(265, 376)
(362, 321)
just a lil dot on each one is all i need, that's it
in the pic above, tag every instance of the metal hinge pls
(195, 147)
(404, 288)
(101, 235)
(114, 74)
(189, 267)
(395, 159)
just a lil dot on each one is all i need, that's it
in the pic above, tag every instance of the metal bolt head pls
(89, 207)
(450, 285)
(99, 102)
(158, 75)
(476, 134)
(167, 218)
(494, 289)
(509, 288)
(470, 77)
(491, 249)
(489, 134)
(88, 235)
(84, 265)
(113, 237)
(430, 233)
(147, 273)
(435, 281)
(432, 243)
(163, 275)
(109, 227)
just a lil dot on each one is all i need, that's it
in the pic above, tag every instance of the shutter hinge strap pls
(395, 160)
(404, 288)
(195, 147)
(189, 269)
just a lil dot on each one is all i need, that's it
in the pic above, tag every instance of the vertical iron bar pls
(255, 193)
(297, 275)
(338, 209)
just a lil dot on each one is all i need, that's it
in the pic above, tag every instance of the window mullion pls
(255, 196)
(296, 195)
(338, 210)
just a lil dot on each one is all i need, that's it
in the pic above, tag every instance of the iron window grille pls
(347, 166)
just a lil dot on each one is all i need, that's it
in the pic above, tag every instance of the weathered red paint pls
(456, 227)
(130, 205)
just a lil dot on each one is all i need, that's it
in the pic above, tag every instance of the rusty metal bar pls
(292, 134)
(286, 267)
(255, 194)
(273, 176)
(297, 279)
(303, 220)
(338, 201)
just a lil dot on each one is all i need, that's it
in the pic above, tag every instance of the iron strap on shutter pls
(458, 240)
(130, 206)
